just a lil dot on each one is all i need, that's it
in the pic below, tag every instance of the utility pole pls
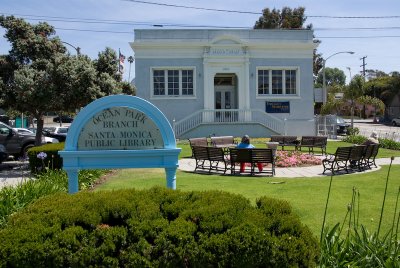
(363, 75)
(363, 65)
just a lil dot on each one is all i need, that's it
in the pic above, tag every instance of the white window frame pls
(283, 69)
(172, 68)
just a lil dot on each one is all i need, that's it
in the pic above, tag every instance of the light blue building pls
(228, 82)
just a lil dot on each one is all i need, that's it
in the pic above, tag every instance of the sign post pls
(120, 131)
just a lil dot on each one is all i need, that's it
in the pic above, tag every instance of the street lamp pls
(324, 92)
(352, 101)
(78, 49)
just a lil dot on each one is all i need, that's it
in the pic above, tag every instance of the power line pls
(317, 37)
(260, 13)
(163, 24)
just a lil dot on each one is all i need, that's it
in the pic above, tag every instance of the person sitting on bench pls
(245, 144)
(373, 139)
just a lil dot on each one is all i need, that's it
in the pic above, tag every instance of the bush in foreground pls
(15, 198)
(156, 228)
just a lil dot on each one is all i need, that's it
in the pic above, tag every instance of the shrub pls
(13, 199)
(52, 161)
(156, 228)
(385, 143)
(355, 139)
(389, 144)
(353, 131)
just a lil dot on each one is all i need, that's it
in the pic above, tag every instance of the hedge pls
(156, 228)
(52, 161)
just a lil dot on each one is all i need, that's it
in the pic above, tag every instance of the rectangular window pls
(187, 82)
(263, 82)
(290, 77)
(277, 85)
(159, 82)
(277, 81)
(173, 82)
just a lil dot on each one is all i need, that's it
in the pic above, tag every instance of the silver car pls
(396, 121)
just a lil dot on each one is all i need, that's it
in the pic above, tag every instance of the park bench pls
(209, 158)
(357, 157)
(253, 156)
(312, 142)
(339, 161)
(224, 142)
(370, 153)
(198, 142)
(285, 141)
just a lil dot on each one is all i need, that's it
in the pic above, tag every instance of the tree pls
(386, 88)
(39, 76)
(109, 79)
(333, 76)
(286, 19)
(318, 62)
(354, 91)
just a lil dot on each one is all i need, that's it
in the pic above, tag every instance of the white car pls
(396, 121)
(26, 131)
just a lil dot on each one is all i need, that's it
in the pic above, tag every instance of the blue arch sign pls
(120, 131)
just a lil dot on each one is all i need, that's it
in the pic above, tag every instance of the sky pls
(366, 27)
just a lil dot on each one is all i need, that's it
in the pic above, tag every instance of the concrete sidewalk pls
(14, 172)
(189, 164)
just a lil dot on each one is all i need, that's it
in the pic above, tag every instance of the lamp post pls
(130, 60)
(78, 49)
(352, 101)
(324, 92)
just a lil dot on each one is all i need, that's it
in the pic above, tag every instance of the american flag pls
(121, 63)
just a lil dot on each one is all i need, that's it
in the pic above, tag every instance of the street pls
(366, 126)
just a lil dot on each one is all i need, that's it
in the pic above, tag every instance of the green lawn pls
(306, 195)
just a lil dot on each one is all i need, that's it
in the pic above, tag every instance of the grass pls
(260, 143)
(306, 195)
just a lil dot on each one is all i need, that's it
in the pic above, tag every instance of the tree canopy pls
(39, 76)
(286, 18)
(333, 76)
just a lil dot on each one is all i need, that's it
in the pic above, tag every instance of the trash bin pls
(273, 145)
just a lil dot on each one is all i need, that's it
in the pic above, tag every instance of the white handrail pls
(228, 116)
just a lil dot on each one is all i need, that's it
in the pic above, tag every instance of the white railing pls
(228, 116)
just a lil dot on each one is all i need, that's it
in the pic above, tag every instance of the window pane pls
(187, 82)
(277, 82)
(263, 82)
(290, 77)
(159, 82)
(173, 82)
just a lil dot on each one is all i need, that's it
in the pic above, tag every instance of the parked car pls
(396, 121)
(64, 119)
(16, 144)
(59, 133)
(3, 153)
(342, 126)
(33, 130)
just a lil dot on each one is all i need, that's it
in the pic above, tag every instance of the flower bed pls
(295, 159)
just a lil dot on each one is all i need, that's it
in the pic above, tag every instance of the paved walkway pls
(189, 164)
(13, 172)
